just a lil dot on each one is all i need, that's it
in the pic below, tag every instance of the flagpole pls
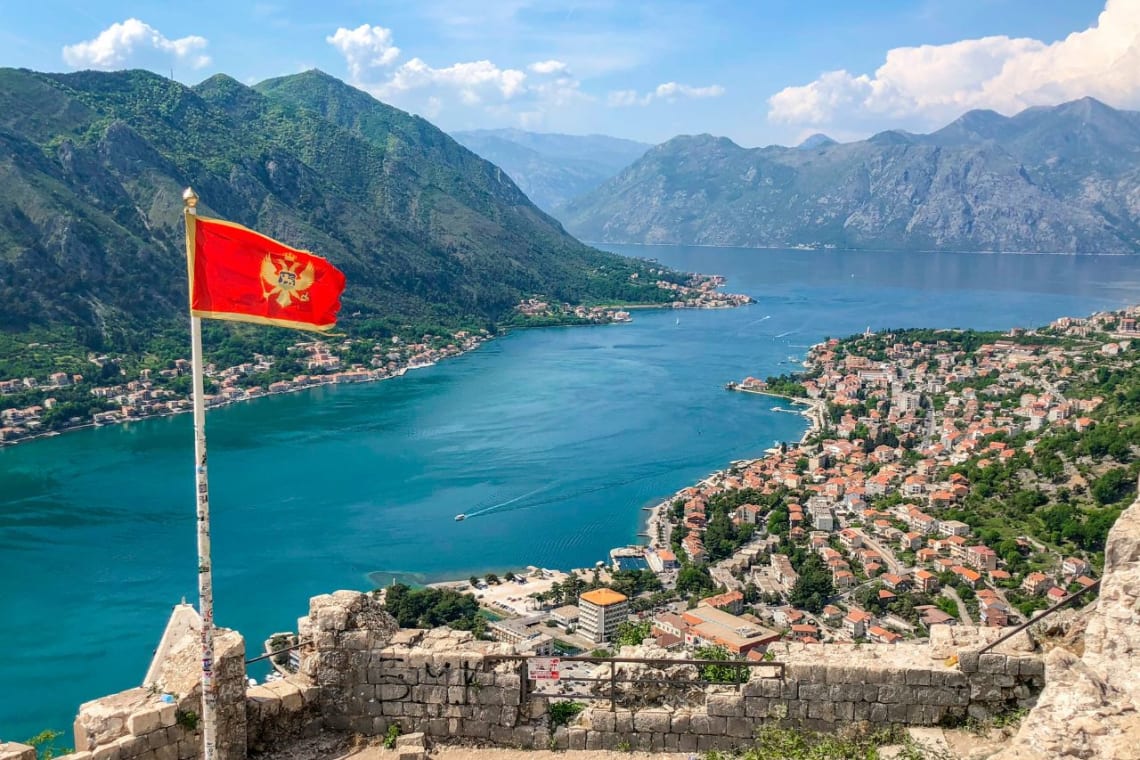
(201, 490)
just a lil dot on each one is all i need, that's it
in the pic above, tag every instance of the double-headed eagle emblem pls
(284, 281)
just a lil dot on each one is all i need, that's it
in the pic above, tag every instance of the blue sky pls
(758, 71)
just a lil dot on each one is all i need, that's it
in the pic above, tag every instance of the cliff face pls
(1089, 707)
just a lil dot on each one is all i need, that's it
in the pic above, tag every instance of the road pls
(893, 565)
(963, 612)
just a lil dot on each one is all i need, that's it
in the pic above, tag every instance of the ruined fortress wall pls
(445, 684)
(361, 674)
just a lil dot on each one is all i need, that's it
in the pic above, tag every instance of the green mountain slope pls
(553, 168)
(92, 166)
(1060, 179)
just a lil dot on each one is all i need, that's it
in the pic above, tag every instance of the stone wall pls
(446, 684)
(159, 721)
(361, 674)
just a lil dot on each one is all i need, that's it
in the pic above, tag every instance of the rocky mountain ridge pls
(1064, 179)
(553, 168)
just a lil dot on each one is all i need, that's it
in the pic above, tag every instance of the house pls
(1074, 566)
(1056, 594)
(970, 577)
(931, 615)
(805, 631)
(832, 614)
(981, 557)
(855, 623)
(882, 635)
(1036, 583)
(850, 539)
(926, 581)
(896, 582)
(953, 528)
(732, 601)
(843, 579)
(993, 612)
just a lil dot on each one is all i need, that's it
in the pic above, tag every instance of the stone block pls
(651, 721)
(1032, 666)
(741, 728)
(679, 722)
(811, 692)
(917, 677)
(477, 729)
(824, 711)
(17, 751)
(870, 692)
(576, 738)
(897, 713)
(879, 713)
(991, 663)
(672, 743)
(523, 736)
(725, 705)
(756, 707)
(142, 722)
(688, 742)
(790, 690)
(595, 741)
(771, 688)
(502, 734)
(623, 721)
(968, 660)
(106, 752)
(984, 692)
(845, 711)
(560, 739)
(892, 694)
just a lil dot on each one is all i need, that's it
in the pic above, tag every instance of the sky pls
(757, 71)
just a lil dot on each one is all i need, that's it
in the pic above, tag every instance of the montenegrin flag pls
(244, 276)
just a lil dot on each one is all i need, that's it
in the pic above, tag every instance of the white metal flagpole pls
(202, 495)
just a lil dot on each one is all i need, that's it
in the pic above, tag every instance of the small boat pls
(678, 321)
(460, 517)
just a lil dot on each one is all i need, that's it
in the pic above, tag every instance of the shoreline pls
(814, 414)
(321, 382)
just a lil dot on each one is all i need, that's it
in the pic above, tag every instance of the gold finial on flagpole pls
(189, 197)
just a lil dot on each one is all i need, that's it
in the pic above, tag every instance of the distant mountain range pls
(1058, 179)
(551, 168)
(92, 167)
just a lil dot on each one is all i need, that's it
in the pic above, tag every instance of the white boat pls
(460, 517)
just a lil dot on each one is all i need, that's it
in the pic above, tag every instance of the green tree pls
(813, 587)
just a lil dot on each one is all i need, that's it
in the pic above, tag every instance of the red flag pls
(241, 275)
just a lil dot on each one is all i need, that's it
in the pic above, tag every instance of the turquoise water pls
(551, 439)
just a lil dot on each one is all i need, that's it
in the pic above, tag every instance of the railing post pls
(524, 684)
(613, 686)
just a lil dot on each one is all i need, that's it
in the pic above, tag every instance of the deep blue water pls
(551, 439)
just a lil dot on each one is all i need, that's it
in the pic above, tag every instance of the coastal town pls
(946, 477)
(35, 406)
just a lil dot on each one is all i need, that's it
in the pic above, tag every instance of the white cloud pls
(668, 91)
(116, 45)
(671, 90)
(473, 80)
(364, 47)
(547, 67)
(931, 84)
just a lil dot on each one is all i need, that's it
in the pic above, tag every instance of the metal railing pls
(1044, 614)
(739, 673)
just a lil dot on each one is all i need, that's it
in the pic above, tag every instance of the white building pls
(600, 612)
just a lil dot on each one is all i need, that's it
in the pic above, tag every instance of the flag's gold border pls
(191, 236)
(234, 317)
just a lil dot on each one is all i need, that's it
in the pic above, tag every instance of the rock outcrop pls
(1088, 708)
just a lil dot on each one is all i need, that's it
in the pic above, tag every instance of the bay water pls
(551, 440)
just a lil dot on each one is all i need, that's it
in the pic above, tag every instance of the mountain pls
(1058, 179)
(92, 167)
(551, 168)
(818, 140)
